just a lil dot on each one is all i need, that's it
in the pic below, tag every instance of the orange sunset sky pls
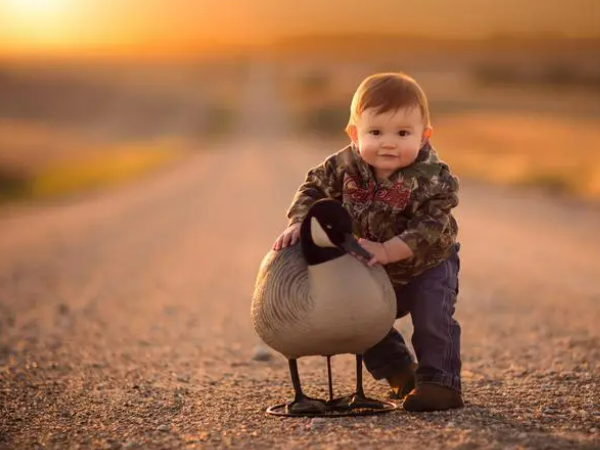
(73, 26)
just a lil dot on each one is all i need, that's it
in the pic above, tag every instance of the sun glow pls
(37, 22)
(34, 11)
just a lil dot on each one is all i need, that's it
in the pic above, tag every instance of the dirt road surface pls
(125, 319)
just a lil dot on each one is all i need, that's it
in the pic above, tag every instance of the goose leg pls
(358, 399)
(330, 381)
(302, 404)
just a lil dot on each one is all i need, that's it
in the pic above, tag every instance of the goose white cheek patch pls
(318, 234)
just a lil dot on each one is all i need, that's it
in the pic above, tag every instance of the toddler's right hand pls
(289, 237)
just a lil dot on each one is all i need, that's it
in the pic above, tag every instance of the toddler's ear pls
(427, 134)
(353, 133)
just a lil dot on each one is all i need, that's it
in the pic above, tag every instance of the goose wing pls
(281, 298)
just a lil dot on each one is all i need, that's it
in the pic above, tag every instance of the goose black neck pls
(313, 254)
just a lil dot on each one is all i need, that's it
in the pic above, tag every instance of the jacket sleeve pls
(322, 181)
(430, 213)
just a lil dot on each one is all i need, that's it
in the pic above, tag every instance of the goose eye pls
(328, 226)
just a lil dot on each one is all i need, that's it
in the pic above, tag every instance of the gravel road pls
(124, 319)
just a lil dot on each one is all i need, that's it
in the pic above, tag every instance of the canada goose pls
(317, 298)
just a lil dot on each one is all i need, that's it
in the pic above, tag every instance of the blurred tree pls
(315, 83)
(12, 183)
(327, 119)
(560, 74)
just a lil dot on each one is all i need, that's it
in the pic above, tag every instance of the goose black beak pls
(351, 246)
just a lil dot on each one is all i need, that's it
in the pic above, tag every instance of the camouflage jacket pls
(414, 204)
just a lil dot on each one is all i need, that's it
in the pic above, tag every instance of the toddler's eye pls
(404, 133)
(375, 132)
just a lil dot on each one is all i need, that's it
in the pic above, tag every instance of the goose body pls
(338, 306)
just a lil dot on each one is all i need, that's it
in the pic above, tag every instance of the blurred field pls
(523, 113)
(559, 155)
(38, 162)
(67, 128)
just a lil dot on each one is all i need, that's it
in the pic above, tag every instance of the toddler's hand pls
(377, 250)
(289, 237)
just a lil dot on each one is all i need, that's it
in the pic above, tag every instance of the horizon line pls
(150, 50)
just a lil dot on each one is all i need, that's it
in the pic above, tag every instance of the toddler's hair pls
(388, 92)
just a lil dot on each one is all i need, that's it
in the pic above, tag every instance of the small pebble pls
(163, 428)
(317, 423)
(261, 354)
(182, 378)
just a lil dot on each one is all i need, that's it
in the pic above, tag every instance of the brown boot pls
(432, 397)
(402, 382)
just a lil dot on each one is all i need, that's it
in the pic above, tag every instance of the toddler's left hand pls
(377, 250)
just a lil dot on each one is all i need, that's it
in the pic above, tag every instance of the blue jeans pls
(430, 300)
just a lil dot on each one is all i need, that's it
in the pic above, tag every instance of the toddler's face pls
(389, 141)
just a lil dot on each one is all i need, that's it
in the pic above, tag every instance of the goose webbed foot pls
(307, 405)
(302, 404)
(355, 401)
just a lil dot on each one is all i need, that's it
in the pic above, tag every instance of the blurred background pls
(96, 92)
